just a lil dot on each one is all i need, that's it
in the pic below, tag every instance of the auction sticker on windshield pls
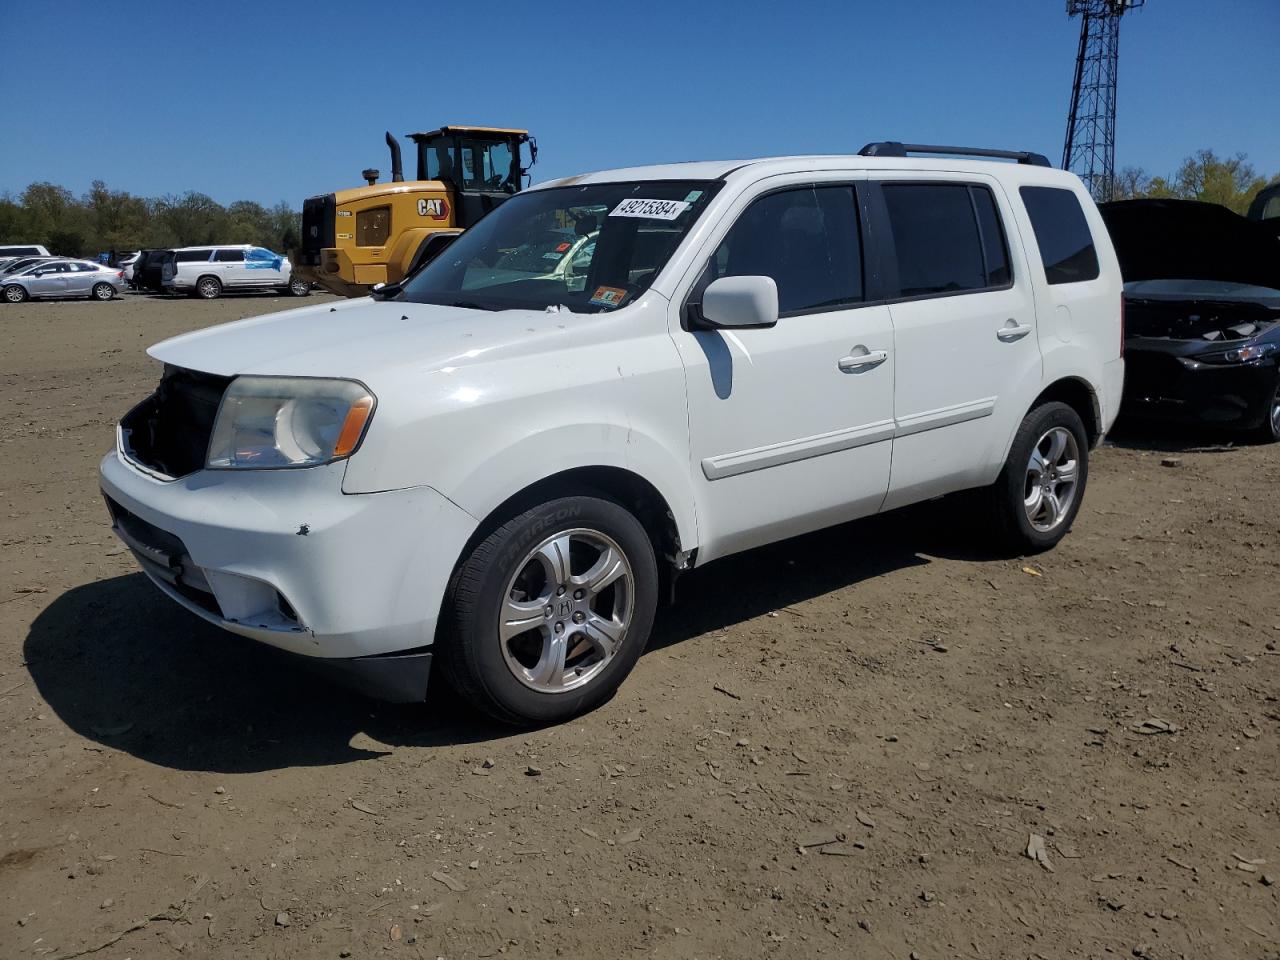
(608, 296)
(650, 209)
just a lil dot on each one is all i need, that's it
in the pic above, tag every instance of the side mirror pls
(740, 302)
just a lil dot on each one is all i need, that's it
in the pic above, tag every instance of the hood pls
(360, 338)
(1190, 240)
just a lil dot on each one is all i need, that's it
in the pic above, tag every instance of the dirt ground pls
(839, 746)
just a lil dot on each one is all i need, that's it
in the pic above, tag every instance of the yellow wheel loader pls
(381, 232)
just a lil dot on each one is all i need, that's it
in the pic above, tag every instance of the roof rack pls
(892, 148)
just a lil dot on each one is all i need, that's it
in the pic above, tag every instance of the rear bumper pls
(1160, 387)
(284, 557)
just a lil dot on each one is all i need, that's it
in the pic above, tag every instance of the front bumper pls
(1159, 386)
(286, 558)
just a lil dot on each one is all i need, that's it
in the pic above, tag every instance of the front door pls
(790, 427)
(49, 280)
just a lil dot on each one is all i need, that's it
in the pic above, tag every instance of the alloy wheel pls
(1275, 413)
(15, 294)
(566, 611)
(1052, 474)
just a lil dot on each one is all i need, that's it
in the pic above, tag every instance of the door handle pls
(1012, 331)
(862, 361)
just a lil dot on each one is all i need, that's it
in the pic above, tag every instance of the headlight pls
(1255, 351)
(273, 422)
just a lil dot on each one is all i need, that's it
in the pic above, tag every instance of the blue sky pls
(276, 100)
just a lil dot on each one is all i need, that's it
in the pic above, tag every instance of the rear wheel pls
(14, 293)
(299, 287)
(103, 291)
(549, 613)
(1036, 498)
(208, 288)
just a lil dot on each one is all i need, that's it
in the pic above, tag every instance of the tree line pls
(103, 220)
(1232, 182)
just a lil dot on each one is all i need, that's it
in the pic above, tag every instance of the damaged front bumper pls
(1161, 383)
(354, 583)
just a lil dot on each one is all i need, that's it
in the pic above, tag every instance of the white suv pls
(497, 469)
(207, 271)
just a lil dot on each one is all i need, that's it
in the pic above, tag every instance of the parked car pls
(1202, 291)
(499, 476)
(207, 271)
(23, 250)
(18, 264)
(58, 278)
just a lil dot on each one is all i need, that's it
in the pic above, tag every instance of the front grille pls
(169, 431)
(319, 216)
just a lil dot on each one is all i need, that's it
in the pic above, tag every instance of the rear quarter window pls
(1062, 234)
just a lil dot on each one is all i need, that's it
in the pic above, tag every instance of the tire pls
(1269, 431)
(15, 294)
(299, 287)
(1036, 498)
(581, 641)
(208, 288)
(103, 292)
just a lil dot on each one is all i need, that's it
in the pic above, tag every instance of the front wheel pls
(1036, 498)
(299, 287)
(103, 291)
(1270, 430)
(548, 614)
(15, 294)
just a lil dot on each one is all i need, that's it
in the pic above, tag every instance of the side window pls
(935, 237)
(806, 239)
(229, 256)
(995, 250)
(1062, 234)
(260, 255)
(192, 256)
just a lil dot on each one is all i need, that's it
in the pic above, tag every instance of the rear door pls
(80, 279)
(229, 266)
(963, 307)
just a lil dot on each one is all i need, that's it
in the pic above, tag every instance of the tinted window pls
(935, 236)
(995, 252)
(229, 256)
(1062, 233)
(806, 240)
(14, 251)
(192, 256)
(84, 268)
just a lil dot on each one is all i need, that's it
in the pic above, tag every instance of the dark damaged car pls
(1202, 310)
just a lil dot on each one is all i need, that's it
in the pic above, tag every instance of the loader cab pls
(482, 165)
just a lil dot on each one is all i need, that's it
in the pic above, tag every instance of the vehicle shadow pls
(125, 667)
(1163, 437)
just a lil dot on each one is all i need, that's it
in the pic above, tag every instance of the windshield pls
(618, 236)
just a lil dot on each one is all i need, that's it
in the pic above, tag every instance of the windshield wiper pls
(471, 305)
